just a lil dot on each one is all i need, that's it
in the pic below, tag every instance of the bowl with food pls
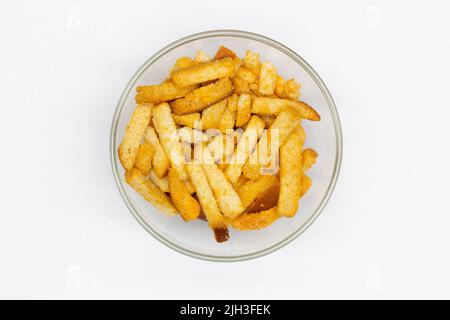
(225, 145)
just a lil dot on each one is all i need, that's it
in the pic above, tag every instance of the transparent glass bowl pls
(195, 239)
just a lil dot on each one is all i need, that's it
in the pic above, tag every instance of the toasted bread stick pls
(290, 173)
(129, 147)
(273, 106)
(163, 92)
(203, 97)
(188, 207)
(149, 191)
(245, 146)
(203, 72)
(168, 135)
(216, 220)
(160, 163)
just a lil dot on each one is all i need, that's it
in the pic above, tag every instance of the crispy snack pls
(160, 162)
(165, 91)
(241, 86)
(244, 109)
(203, 72)
(181, 63)
(191, 136)
(283, 125)
(144, 158)
(221, 234)
(134, 132)
(251, 61)
(187, 149)
(254, 221)
(290, 173)
(188, 207)
(267, 79)
(186, 120)
(237, 64)
(246, 74)
(244, 147)
(226, 121)
(216, 220)
(189, 186)
(273, 106)
(201, 57)
(224, 52)
(202, 216)
(279, 87)
(254, 89)
(161, 183)
(292, 89)
(228, 118)
(309, 158)
(305, 184)
(233, 103)
(251, 171)
(265, 201)
(221, 147)
(240, 182)
(167, 132)
(216, 146)
(212, 115)
(150, 193)
(229, 202)
(253, 189)
(268, 119)
(203, 97)
(228, 133)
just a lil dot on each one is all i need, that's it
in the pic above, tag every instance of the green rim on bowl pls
(245, 35)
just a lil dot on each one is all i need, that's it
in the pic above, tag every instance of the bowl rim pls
(299, 60)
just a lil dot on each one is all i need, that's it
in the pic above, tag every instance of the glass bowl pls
(195, 239)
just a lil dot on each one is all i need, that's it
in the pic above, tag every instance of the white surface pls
(64, 230)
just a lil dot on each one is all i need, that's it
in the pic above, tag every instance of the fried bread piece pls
(129, 147)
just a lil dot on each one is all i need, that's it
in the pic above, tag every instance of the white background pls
(64, 230)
